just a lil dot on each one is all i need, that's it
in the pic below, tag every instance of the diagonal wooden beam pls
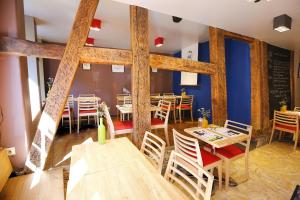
(58, 95)
(178, 64)
(140, 73)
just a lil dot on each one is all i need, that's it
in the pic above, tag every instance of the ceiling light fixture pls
(159, 41)
(176, 19)
(96, 25)
(282, 23)
(90, 41)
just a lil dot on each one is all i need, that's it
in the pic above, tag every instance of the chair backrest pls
(109, 122)
(87, 95)
(154, 100)
(188, 147)
(172, 100)
(127, 100)
(71, 100)
(155, 95)
(168, 94)
(240, 128)
(198, 183)
(286, 121)
(187, 100)
(163, 111)
(297, 109)
(154, 147)
(87, 103)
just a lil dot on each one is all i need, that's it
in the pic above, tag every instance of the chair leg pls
(78, 124)
(180, 115)
(296, 140)
(227, 171)
(220, 175)
(174, 115)
(167, 136)
(192, 116)
(88, 120)
(70, 125)
(271, 135)
(280, 135)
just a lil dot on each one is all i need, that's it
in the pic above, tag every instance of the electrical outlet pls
(11, 151)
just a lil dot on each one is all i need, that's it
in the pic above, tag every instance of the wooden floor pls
(274, 168)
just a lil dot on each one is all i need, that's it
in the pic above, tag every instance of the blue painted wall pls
(238, 81)
(238, 77)
(202, 93)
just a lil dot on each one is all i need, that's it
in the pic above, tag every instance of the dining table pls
(127, 109)
(116, 170)
(216, 136)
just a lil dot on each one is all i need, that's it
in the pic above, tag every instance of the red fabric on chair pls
(229, 151)
(87, 111)
(282, 126)
(166, 107)
(155, 121)
(184, 107)
(208, 158)
(65, 113)
(122, 125)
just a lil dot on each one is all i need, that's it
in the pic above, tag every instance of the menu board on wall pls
(279, 77)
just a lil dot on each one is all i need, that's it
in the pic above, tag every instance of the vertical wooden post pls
(218, 79)
(256, 94)
(265, 116)
(63, 81)
(140, 73)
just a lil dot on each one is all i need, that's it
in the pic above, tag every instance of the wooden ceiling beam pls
(19, 47)
(237, 36)
(179, 64)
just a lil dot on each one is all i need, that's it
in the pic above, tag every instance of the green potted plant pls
(183, 92)
(283, 105)
(205, 115)
(101, 127)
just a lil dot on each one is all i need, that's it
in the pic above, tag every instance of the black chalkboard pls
(279, 77)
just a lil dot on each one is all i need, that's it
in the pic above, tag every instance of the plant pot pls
(204, 123)
(283, 108)
(101, 132)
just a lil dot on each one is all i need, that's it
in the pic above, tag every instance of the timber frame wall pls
(140, 60)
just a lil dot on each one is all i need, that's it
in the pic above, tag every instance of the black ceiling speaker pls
(176, 19)
(282, 23)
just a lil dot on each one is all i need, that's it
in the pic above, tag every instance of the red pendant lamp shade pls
(90, 41)
(96, 25)
(159, 41)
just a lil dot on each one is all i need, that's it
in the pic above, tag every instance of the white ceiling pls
(238, 16)
(54, 21)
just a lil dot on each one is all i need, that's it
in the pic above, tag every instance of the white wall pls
(297, 80)
(33, 77)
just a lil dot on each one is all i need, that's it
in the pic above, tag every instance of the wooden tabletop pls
(127, 108)
(223, 140)
(293, 112)
(116, 170)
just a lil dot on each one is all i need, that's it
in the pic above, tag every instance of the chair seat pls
(229, 151)
(184, 107)
(156, 121)
(166, 107)
(208, 158)
(66, 113)
(88, 112)
(122, 125)
(283, 126)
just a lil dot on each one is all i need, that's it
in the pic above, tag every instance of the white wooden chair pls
(286, 122)
(232, 152)
(116, 127)
(161, 118)
(189, 147)
(68, 112)
(194, 184)
(120, 100)
(297, 109)
(154, 99)
(168, 94)
(87, 107)
(153, 147)
(173, 106)
(186, 103)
